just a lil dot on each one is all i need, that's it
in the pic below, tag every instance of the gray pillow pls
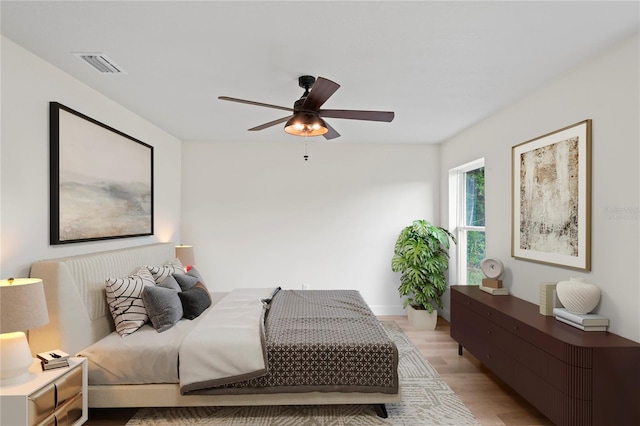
(170, 283)
(185, 281)
(194, 273)
(194, 301)
(163, 307)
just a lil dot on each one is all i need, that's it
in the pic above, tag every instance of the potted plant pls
(421, 256)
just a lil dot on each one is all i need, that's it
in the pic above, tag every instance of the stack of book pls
(501, 291)
(53, 359)
(586, 322)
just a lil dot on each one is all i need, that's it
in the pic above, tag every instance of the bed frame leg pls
(381, 410)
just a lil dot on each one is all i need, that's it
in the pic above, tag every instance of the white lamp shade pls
(185, 254)
(23, 305)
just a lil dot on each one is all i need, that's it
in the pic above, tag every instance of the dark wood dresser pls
(573, 377)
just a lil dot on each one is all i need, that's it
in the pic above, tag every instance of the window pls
(466, 195)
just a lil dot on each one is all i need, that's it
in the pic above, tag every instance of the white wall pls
(28, 85)
(259, 215)
(606, 90)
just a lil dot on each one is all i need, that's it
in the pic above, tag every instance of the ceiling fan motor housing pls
(306, 81)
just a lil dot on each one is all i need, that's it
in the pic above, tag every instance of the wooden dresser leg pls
(459, 349)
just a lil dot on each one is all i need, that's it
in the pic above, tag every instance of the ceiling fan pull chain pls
(306, 156)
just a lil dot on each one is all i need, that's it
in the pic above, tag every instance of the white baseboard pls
(383, 310)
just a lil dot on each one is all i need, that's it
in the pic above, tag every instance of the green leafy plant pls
(421, 256)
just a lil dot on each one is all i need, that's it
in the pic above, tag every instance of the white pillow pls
(124, 297)
(161, 272)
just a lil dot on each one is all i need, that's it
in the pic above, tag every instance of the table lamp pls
(185, 254)
(23, 306)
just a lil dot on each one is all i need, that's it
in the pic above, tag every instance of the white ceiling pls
(441, 66)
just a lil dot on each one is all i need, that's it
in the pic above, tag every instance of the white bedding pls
(228, 344)
(143, 357)
(224, 344)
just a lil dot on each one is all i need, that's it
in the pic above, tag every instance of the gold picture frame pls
(551, 190)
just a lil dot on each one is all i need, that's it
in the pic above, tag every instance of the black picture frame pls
(101, 180)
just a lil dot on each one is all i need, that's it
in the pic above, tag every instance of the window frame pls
(457, 217)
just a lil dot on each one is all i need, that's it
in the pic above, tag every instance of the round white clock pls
(491, 267)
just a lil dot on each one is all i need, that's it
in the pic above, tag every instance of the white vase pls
(421, 319)
(578, 296)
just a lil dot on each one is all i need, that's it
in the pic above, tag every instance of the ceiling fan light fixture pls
(306, 124)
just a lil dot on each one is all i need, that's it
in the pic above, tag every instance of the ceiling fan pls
(307, 117)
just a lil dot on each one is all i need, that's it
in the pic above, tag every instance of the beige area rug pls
(426, 400)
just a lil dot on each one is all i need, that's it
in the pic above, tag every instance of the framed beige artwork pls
(551, 208)
(101, 180)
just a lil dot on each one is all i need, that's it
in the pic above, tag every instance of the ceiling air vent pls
(101, 63)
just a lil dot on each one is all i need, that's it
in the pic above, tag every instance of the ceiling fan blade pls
(243, 101)
(321, 90)
(350, 114)
(271, 123)
(332, 133)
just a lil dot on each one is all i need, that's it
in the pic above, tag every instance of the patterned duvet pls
(322, 340)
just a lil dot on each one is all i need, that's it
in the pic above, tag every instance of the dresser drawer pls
(70, 412)
(550, 345)
(573, 381)
(48, 421)
(463, 325)
(68, 386)
(560, 408)
(41, 404)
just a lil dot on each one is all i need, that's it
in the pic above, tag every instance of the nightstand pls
(55, 397)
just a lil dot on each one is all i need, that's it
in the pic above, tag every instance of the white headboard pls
(75, 291)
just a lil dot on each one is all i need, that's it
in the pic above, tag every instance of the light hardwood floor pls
(490, 400)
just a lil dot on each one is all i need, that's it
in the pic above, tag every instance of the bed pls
(80, 322)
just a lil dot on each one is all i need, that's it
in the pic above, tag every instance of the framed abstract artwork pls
(551, 208)
(101, 180)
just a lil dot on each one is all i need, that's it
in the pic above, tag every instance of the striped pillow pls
(161, 272)
(124, 297)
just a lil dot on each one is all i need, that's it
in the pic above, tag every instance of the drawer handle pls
(488, 314)
(515, 327)
(488, 356)
(488, 331)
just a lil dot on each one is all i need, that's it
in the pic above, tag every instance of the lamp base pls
(15, 358)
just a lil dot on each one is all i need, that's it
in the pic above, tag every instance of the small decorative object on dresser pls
(548, 299)
(577, 295)
(492, 268)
